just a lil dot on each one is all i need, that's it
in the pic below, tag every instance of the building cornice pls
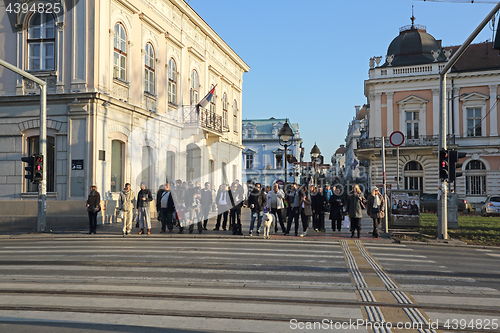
(174, 40)
(184, 7)
(133, 9)
(149, 21)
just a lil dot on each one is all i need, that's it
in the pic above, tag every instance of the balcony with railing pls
(207, 119)
(391, 72)
(419, 141)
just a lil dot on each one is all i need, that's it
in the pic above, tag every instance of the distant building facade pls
(403, 94)
(123, 78)
(263, 156)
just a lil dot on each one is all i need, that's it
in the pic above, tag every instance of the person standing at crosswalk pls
(165, 206)
(144, 197)
(93, 207)
(126, 204)
(356, 202)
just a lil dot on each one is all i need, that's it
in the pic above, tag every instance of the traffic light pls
(30, 160)
(443, 164)
(38, 168)
(454, 156)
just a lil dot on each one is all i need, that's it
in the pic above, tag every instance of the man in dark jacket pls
(206, 201)
(166, 206)
(144, 197)
(293, 209)
(236, 199)
(337, 204)
(257, 201)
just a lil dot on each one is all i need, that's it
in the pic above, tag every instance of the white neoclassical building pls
(123, 77)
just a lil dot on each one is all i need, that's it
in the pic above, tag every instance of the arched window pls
(172, 82)
(195, 87)
(149, 69)
(120, 53)
(193, 162)
(475, 178)
(147, 175)
(225, 119)
(117, 163)
(413, 165)
(235, 117)
(41, 42)
(414, 176)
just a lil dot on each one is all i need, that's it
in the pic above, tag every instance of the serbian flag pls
(203, 103)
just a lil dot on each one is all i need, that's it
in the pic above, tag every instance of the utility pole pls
(443, 184)
(42, 185)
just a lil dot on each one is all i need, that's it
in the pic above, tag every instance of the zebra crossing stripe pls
(375, 314)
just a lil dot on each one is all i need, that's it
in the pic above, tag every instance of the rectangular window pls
(412, 123)
(248, 161)
(170, 166)
(414, 183)
(224, 119)
(117, 165)
(279, 161)
(171, 92)
(119, 66)
(194, 97)
(474, 122)
(34, 55)
(149, 79)
(475, 185)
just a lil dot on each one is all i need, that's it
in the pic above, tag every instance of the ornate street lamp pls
(315, 152)
(285, 138)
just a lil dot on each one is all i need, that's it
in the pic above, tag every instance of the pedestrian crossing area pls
(224, 285)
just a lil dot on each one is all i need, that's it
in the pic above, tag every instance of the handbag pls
(117, 211)
(97, 208)
(347, 222)
(375, 210)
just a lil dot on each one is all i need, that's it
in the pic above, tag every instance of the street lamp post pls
(285, 136)
(315, 152)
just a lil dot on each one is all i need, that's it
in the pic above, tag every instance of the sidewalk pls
(115, 230)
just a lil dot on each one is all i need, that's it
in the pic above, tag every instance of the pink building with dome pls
(403, 95)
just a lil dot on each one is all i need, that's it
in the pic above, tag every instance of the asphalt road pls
(151, 284)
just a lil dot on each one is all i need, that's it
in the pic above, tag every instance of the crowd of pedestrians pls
(180, 205)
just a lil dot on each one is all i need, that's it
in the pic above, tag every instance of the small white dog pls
(268, 221)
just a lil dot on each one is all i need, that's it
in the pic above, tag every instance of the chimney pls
(357, 109)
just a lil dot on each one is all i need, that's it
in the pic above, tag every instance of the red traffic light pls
(443, 164)
(38, 168)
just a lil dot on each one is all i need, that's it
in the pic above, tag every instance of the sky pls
(309, 59)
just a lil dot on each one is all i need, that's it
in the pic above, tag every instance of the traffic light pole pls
(443, 184)
(42, 185)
